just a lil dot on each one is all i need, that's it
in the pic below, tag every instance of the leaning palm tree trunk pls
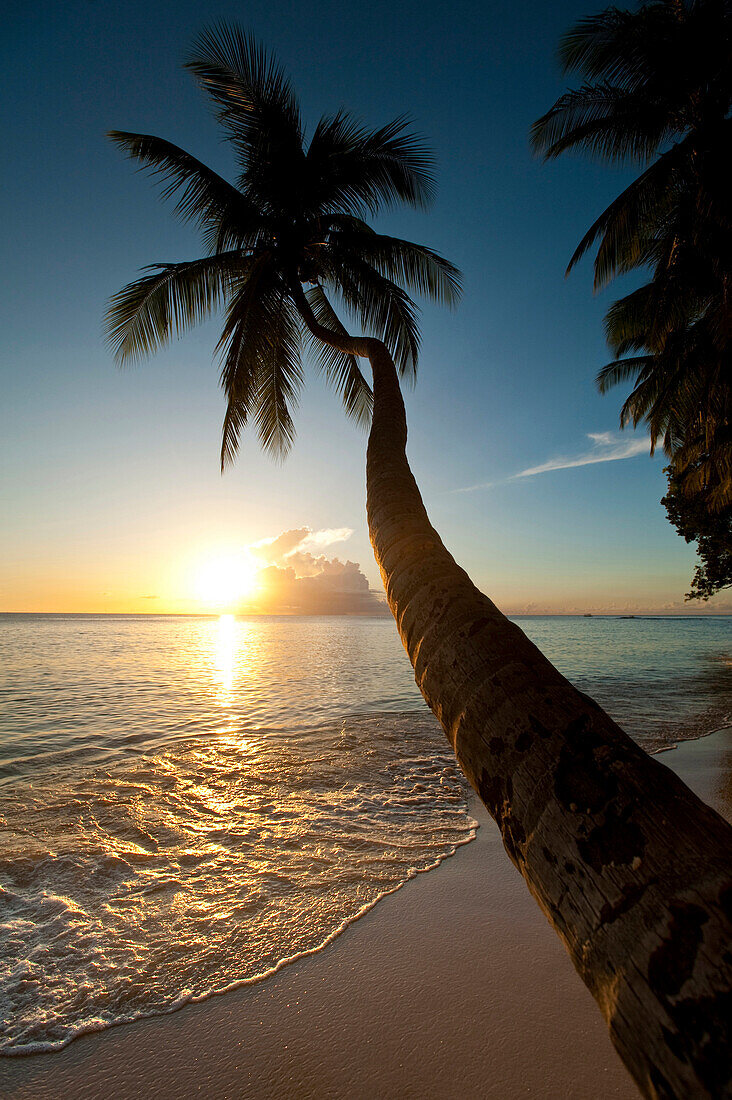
(629, 866)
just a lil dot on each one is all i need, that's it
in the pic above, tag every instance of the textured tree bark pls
(630, 867)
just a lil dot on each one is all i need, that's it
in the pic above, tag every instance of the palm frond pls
(242, 78)
(604, 121)
(646, 317)
(413, 266)
(148, 312)
(360, 169)
(341, 370)
(383, 308)
(260, 350)
(614, 44)
(235, 420)
(622, 226)
(202, 195)
(620, 370)
(256, 104)
(241, 351)
(280, 378)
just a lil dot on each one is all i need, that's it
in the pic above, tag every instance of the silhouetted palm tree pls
(659, 85)
(293, 218)
(682, 389)
(612, 845)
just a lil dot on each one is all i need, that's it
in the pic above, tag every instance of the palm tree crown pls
(294, 219)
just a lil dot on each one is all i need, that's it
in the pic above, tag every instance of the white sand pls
(455, 986)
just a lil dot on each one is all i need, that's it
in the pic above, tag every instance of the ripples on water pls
(186, 803)
(169, 876)
(662, 679)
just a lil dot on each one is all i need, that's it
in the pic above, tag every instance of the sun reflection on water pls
(225, 666)
(234, 664)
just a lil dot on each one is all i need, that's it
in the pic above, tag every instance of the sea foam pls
(133, 889)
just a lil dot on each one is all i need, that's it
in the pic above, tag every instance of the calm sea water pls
(187, 803)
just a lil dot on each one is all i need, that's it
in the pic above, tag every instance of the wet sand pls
(455, 986)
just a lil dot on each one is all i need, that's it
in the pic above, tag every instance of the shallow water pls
(662, 679)
(187, 803)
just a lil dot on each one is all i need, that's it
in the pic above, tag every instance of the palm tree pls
(654, 76)
(626, 862)
(295, 218)
(682, 389)
(658, 84)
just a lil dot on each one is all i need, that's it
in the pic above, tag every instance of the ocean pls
(187, 804)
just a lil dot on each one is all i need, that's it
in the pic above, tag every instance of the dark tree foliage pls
(657, 91)
(710, 530)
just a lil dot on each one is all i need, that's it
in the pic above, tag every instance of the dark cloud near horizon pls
(340, 588)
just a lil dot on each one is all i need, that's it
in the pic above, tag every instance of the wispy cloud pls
(480, 485)
(606, 447)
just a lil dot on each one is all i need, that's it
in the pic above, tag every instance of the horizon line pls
(671, 614)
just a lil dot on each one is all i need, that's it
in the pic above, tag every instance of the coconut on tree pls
(629, 866)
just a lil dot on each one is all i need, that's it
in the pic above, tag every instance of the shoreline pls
(185, 1001)
(453, 985)
(686, 740)
(255, 979)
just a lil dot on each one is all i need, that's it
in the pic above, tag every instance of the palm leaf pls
(260, 350)
(646, 317)
(359, 169)
(246, 84)
(622, 246)
(280, 377)
(383, 308)
(412, 265)
(614, 44)
(235, 420)
(202, 195)
(145, 314)
(620, 370)
(241, 347)
(341, 370)
(256, 104)
(605, 121)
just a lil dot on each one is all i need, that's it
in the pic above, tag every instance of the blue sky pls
(111, 486)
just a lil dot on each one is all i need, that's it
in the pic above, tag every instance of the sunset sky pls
(112, 495)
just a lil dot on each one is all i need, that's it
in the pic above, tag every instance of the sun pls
(223, 579)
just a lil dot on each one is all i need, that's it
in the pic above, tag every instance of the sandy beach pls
(455, 986)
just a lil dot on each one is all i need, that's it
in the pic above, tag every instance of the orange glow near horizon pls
(206, 572)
